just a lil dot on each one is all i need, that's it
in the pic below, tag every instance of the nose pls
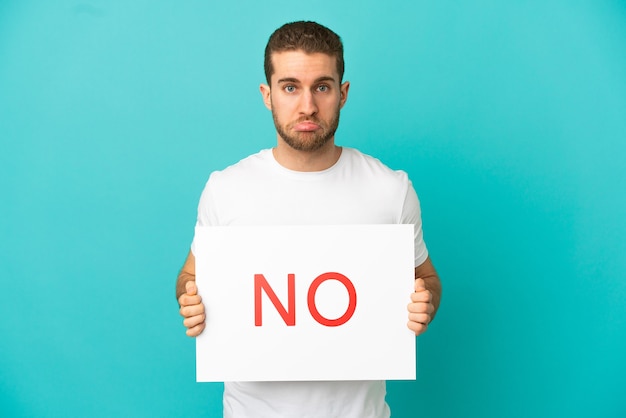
(308, 106)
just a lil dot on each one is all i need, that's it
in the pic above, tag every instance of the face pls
(305, 97)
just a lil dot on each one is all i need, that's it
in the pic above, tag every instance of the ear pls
(344, 93)
(265, 92)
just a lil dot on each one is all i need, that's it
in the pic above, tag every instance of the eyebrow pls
(295, 80)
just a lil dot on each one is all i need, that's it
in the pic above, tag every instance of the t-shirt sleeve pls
(206, 213)
(411, 214)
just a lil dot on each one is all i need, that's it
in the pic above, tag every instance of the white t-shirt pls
(357, 189)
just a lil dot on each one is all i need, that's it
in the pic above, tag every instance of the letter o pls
(351, 304)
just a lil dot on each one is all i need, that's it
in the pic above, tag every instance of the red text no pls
(289, 314)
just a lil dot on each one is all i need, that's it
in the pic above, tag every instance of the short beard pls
(308, 141)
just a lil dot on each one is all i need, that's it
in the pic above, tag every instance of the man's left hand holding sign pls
(191, 306)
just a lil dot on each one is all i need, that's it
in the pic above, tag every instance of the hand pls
(421, 308)
(192, 309)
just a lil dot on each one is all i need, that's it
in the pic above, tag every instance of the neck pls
(296, 160)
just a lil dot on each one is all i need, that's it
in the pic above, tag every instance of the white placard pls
(344, 317)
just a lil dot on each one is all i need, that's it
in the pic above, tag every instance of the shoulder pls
(364, 164)
(249, 167)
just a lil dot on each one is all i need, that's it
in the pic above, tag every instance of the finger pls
(422, 318)
(187, 300)
(416, 327)
(192, 321)
(421, 296)
(190, 287)
(195, 331)
(192, 310)
(419, 307)
(419, 284)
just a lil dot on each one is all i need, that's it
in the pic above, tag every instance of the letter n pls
(289, 314)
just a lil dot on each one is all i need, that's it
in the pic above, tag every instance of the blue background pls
(510, 118)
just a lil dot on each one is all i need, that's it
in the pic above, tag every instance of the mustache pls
(308, 119)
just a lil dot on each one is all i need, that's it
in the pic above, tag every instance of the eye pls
(323, 88)
(289, 88)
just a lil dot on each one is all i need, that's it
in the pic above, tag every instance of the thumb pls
(420, 285)
(190, 288)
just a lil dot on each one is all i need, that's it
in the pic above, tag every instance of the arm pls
(191, 306)
(425, 300)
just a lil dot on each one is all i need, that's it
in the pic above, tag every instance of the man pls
(293, 184)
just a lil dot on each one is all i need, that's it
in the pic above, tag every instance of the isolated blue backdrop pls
(510, 117)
